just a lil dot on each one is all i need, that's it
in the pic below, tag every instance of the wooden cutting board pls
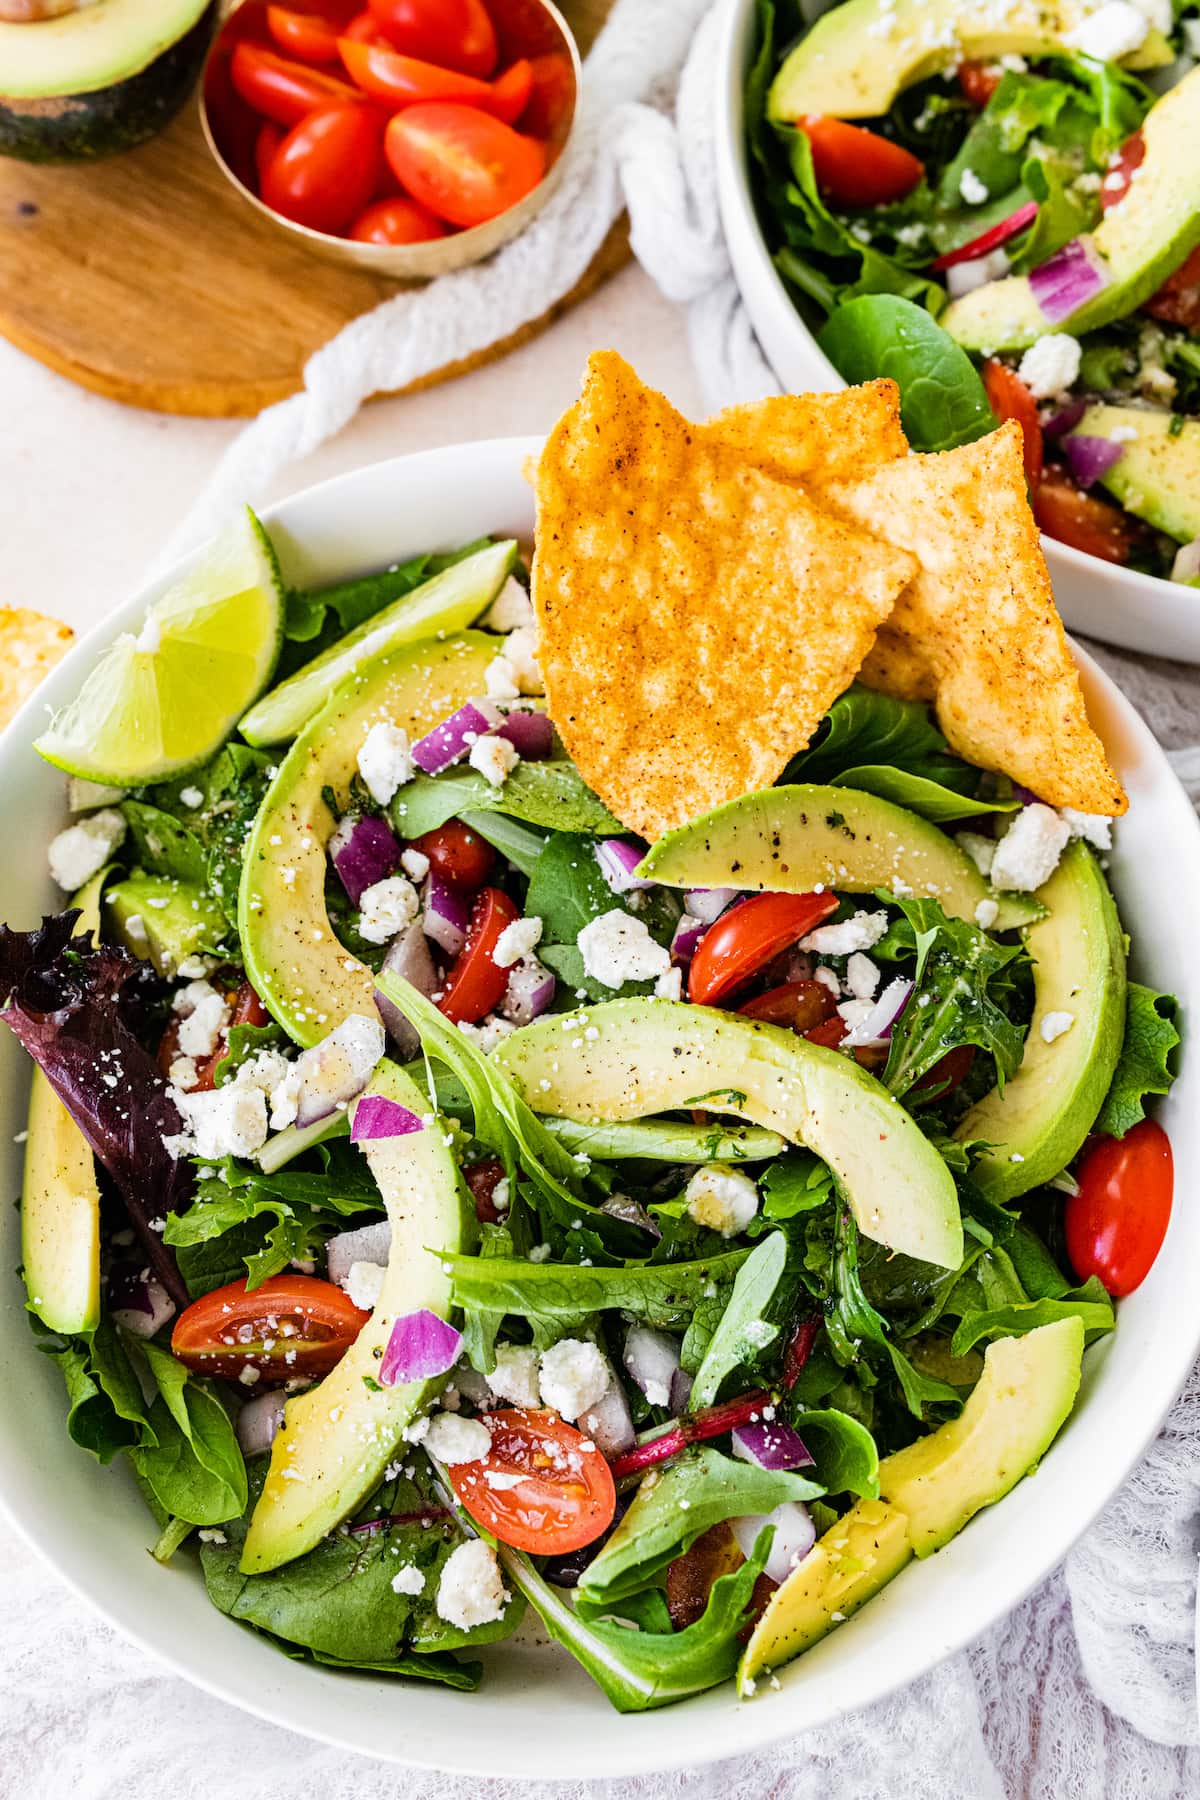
(147, 279)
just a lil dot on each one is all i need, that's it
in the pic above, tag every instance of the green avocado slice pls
(165, 919)
(92, 48)
(308, 981)
(793, 839)
(626, 1059)
(337, 1439)
(1157, 475)
(1036, 1126)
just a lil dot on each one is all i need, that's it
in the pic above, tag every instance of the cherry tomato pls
(396, 221)
(509, 94)
(548, 111)
(744, 939)
(280, 89)
(327, 167)
(364, 29)
(565, 1497)
(797, 1004)
(948, 1071)
(462, 164)
(248, 1009)
(270, 136)
(1064, 512)
(1177, 301)
(1011, 399)
(475, 983)
(978, 82)
(1116, 1223)
(402, 80)
(458, 34)
(483, 1178)
(829, 1034)
(459, 855)
(291, 1325)
(303, 34)
(857, 167)
(1115, 184)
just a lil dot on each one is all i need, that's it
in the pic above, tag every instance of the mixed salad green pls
(445, 1205)
(999, 208)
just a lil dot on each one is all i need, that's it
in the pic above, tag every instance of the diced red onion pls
(618, 860)
(337, 1069)
(681, 1390)
(609, 1423)
(530, 733)
(1186, 566)
(530, 991)
(707, 904)
(258, 1422)
(369, 1244)
(1064, 419)
(446, 915)
(420, 1346)
(631, 1211)
(772, 1445)
(408, 955)
(363, 851)
(452, 739)
(1025, 795)
(473, 1386)
(378, 1117)
(140, 1304)
(1068, 279)
(652, 1360)
(1090, 457)
(795, 1535)
(687, 935)
(876, 1028)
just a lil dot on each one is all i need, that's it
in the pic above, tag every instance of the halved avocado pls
(337, 1439)
(629, 1058)
(792, 839)
(101, 79)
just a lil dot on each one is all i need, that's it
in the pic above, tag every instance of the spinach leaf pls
(676, 1505)
(744, 1331)
(846, 1460)
(865, 728)
(1119, 101)
(105, 1409)
(931, 799)
(942, 400)
(1089, 1303)
(1144, 1065)
(203, 844)
(241, 1044)
(165, 845)
(194, 1467)
(551, 795)
(797, 1183)
(993, 149)
(664, 1295)
(567, 891)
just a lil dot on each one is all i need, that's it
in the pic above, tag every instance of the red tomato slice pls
(1177, 301)
(303, 34)
(1116, 1223)
(403, 80)
(744, 939)
(396, 221)
(565, 1497)
(327, 167)
(548, 111)
(1011, 399)
(291, 1325)
(857, 167)
(463, 165)
(476, 983)
(800, 1005)
(364, 29)
(280, 89)
(270, 136)
(1115, 185)
(458, 34)
(459, 855)
(978, 82)
(510, 93)
(1064, 512)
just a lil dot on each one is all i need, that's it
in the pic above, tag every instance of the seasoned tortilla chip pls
(977, 631)
(816, 437)
(30, 645)
(696, 618)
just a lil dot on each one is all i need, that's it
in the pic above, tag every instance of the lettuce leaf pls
(1144, 1066)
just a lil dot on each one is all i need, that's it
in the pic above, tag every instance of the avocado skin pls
(85, 127)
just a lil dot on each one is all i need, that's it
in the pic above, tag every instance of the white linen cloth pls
(1087, 1691)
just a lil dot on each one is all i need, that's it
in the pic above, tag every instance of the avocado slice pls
(628, 1058)
(792, 839)
(1141, 240)
(337, 1439)
(1035, 1127)
(101, 79)
(928, 1492)
(165, 920)
(60, 1199)
(858, 57)
(306, 978)
(1158, 475)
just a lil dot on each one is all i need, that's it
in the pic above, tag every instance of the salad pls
(999, 208)
(578, 1096)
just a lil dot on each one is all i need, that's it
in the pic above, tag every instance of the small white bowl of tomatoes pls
(405, 137)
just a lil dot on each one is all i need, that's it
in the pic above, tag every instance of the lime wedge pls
(165, 700)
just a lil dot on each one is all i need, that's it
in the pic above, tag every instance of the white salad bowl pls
(537, 1714)
(1120, 606)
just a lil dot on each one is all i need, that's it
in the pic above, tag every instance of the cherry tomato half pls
(280, 89)
(510, 93)
(1065, 512)
(1116, 1223)
(744, 939)
(400, 80)
(304, 34)
(1115, 185)
(977, 82)
(458, 34)
(291, 1325)
(1009, 398)
(270, 136)
(459, 855)
(857, 167)
(364, 29)
(483, 1178)
(800, 1005)
(462, 164)
(396, 221)
(476, 983)
(548, 110)
(565, 1497)
(327, 167)
(248, 1009)
(1177, 301)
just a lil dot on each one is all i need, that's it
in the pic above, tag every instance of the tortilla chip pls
(816, 437)
(977, 631)
(30, 645)
(696, 618)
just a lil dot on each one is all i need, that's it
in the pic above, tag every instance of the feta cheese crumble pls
(415, 864)
(860, 932)
(80, 851)
(721, 1198)
(515, 1376)
(387, 908)
(980, 849)
(669, 985)
(862, 976)
(455, 1439)
(494, 758)
(1112, 31)
(363, 1283)
(617, 948)
(384, 761)
(1055, 1024)
(574, 1377)
(519, 939)
(511, 608)
(471, 1591)
(973, 190)
(203, 1014)
(408, 1579)
(191, 797)
(1050, 365)
(499, 681)
(986, 914)
(224, 1121)
(1094, 828)
(1028, 853)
